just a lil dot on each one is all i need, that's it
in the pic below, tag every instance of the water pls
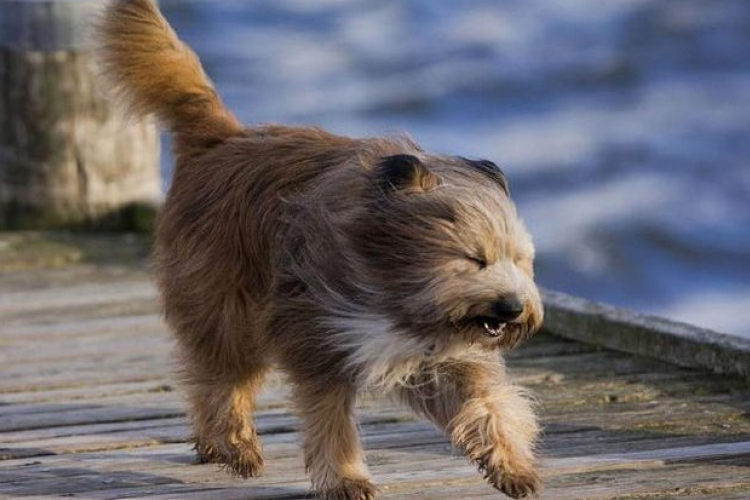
(624, 126)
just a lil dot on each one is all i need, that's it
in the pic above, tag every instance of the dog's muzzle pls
(503, 311)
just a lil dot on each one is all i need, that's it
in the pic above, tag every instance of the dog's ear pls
(490, 170)
(405, 173)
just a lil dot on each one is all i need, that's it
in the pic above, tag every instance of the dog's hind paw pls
(349, 489)
(245, 460)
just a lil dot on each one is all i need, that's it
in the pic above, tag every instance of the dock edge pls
(635, 333)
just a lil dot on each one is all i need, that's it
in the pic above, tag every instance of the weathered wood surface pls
(635, 333)
(89, 409)
(67, 155)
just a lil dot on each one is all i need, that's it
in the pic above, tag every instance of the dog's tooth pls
(492, 332)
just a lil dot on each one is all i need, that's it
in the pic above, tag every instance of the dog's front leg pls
(492, 421)
(333, 453)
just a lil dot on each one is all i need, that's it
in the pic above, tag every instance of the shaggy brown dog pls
(349, 264)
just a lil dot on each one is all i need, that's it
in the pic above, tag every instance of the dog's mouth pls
(491, 327)
(495, 331)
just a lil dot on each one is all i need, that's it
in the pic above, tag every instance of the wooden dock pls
(88, 409)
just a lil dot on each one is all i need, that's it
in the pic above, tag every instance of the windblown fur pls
(349, 264)
(158, 74)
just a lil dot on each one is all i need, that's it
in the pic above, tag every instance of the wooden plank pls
(142, 369)
(635, 333)
(113, 258)
(589, 364)
(150, 393)
(662, 455)
(145, 305)
(104, 347)
(545, 345)
(86, 415)
(651, 482)
(159, 397)
(25, 438)
(26, 302)
(87, 328)
(116, 356)
(75, 394)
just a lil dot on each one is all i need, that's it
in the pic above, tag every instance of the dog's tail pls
(153, 72)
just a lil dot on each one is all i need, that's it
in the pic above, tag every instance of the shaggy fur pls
(349, 264)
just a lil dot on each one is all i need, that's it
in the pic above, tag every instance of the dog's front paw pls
(523, 484)
(349, 489)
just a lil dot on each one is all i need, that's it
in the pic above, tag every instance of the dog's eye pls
(480, 262)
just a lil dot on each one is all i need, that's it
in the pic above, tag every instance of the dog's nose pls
(507, 308)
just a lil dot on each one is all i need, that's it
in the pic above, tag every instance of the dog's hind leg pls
(221, 412)
(486, 417)
(223, 367)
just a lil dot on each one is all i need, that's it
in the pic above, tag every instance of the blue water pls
(624, 126)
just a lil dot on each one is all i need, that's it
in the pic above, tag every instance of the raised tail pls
(153, 72)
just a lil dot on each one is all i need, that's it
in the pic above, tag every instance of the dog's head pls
(442, 239)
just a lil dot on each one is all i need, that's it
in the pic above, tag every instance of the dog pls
(348, 264)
